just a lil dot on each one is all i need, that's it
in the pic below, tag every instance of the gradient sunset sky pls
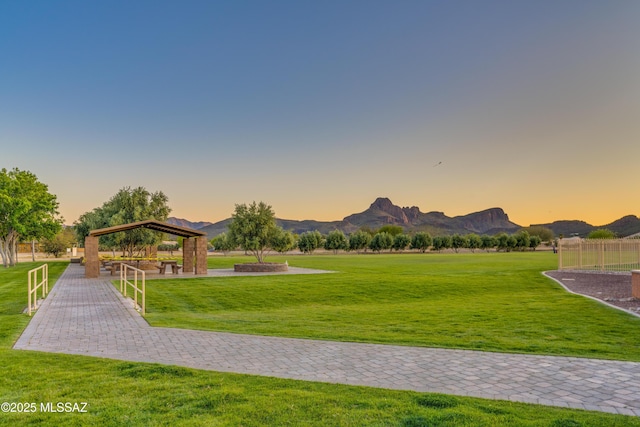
(318, 107)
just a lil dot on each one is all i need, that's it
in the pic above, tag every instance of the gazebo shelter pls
(194, 245)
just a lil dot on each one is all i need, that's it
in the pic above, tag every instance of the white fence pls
(599, 254)
(137, 285)
(33, 286)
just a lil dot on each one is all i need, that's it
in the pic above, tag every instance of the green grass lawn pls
(125, 393)
(482, 301)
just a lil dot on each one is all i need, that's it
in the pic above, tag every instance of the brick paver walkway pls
(89, 317)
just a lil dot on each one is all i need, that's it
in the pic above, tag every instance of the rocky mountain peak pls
(395, 213)
(487, 220)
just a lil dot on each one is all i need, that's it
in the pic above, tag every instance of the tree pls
(223, 243)
(441, 242)
(401, 241)
(335, 241)
(601, 233)
(371, 232)
(253, 228)
(488, 242)
(458, 241)
(502, 242)
(58, 244)
(381, 241)
(126, 206)
(309, 241)
(473, 241)
(283, 241)
(523, 240)
(359, 240)
(27, 211)
(169, 247)
(545, 234)
(394, 230)
(534, 242)
(421, 241)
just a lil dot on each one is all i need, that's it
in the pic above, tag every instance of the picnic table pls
(115, 266)
(175, 268)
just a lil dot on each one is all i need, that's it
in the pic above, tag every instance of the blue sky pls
(319, 107)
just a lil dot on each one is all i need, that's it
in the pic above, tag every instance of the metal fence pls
(599, 254)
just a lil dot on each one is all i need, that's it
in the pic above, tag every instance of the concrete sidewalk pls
(89, 317)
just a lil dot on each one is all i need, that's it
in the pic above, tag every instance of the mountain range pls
(383, 212)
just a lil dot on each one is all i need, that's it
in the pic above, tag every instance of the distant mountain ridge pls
(383, 212)
(186, 223)
(625, 226)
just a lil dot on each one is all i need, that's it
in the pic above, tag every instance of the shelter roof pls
(151, 224)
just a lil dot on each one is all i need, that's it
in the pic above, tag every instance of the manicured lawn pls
(126, 393)
(495, 301)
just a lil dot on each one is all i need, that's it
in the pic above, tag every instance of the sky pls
(319, 107)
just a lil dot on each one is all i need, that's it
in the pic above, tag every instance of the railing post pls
(32, 288)
(124, 282)
(135, 287)
(29, 289)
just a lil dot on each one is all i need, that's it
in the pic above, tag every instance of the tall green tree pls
(126, 206)
(523, 240)
(309, 241)
(335, 241)
(545, 233)
(441, 242)
(27, 211)
(283, 241)
(401, 242)
(601, 233)
(488, 242)
(381, 241)
(458, 241)
(421, 241)
(359, 240)
(58, 244)
(223, 243)
(534, 242)
(473, 241)
(394, 230)
(502, 242)
(253, 228)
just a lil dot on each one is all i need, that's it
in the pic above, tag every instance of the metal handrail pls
(124, 282)
(33, 286)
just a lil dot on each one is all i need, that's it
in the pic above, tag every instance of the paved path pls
(89, 317)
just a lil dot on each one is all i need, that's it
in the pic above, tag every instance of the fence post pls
(635, 283)
(560, 265)
(580, 255)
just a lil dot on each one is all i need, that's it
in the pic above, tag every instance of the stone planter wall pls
(265, 267)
